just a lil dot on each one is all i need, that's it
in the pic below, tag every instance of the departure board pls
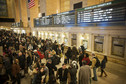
(3, 8)
(36, 22)
(104, 14)
(64, 18)
(46, 21)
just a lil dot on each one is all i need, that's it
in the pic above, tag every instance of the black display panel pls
(64, 18)
(3, 8)
(78, 5)
(36, 22)
(46, 21)
(104, 14)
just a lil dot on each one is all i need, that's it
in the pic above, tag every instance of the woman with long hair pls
(103, 65)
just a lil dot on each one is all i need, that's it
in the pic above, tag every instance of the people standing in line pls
(103, 65)
(72, 78)
(84, 75)
(62, 74)
(81, 56)
(94, 67)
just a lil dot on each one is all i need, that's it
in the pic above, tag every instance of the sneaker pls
(94, 79)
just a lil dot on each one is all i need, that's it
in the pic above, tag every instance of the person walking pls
(84, 74)
(103, 65)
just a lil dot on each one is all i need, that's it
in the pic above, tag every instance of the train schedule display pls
(64, 18)
(103, 14)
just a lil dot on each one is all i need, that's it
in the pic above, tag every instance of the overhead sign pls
(36, 22)
(104, 14)
(64, 18)
(45, 21)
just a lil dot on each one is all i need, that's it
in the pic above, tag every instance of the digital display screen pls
(64, 18)
(47, 20)
(101, 15)
(36, 23)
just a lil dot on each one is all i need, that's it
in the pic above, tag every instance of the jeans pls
(95, 74)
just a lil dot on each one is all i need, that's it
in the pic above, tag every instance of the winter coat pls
(84, 75)
(21, 61)
(80, 59)
(68, 54)
(103, 64)
(73, 77)
(15, 69)
(87, 60)
(61, 76)
(51, 68)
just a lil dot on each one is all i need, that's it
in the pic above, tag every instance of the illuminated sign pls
(64, 18)
(36, 22)
(104, 14)
(45, 21)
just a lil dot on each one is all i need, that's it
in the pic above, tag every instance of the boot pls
(105, 74)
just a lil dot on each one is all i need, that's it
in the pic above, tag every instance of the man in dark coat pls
(80, 59)
(62, 74)
(51, 68)
(21, 59)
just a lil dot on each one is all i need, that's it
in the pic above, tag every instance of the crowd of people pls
(24, 54)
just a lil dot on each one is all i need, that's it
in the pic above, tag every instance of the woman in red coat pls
(86, 58)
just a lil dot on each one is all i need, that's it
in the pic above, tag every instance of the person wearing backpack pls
(95, 65)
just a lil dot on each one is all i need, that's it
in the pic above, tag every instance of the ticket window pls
(84, 40)
(74, 40)
(53, 37)
(85, 43)
(58, 38)
(39, 34)
(98, 43)
(65, 39)
(42, 34)
(118, 46)
(48, 36)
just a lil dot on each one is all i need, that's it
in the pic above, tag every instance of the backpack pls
(97, 62)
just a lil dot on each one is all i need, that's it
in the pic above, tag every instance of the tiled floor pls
(116, 74)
